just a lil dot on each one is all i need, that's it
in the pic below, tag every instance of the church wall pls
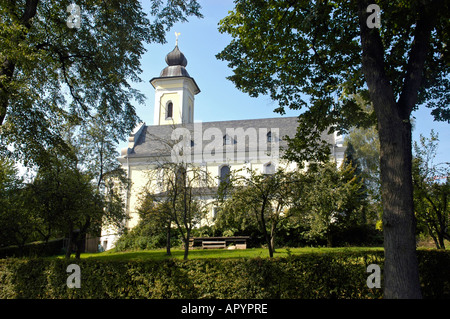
(139, 177)
(243, 148)
(175, 98)
(181, 92)
(142, 174)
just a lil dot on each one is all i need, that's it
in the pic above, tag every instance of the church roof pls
(155, 140)
(176, 68)
(176, 64)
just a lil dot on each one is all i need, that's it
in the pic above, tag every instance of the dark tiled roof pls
(155, 140)
(176, 63)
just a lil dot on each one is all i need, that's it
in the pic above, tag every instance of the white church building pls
(219, 147)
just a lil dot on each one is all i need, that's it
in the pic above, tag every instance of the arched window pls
(269, 136)
(224, 174)
(227, 140)
(269, 169)
(169, 111)
(214, 212)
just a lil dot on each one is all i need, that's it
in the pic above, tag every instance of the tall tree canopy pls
(61, 63)
(431, 190)
(320, 55)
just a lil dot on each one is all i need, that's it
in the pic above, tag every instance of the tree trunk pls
(272, 243)
(441, 242)
(262, 223)
(186, 244)
(81, 237)
(401, 275)
(268, 238)
(329, 239)
(79, 245)
(69, 244)
(269, 245)
(168, 253)
(272, 236)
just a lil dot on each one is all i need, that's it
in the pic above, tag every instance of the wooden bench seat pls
(213, 244)
(235, 242)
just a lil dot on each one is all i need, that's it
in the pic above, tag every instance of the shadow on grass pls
(178, 254)
(160, 254)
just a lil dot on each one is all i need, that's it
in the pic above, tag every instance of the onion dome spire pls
(176, 62)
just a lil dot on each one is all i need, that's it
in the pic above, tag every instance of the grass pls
(159, 254)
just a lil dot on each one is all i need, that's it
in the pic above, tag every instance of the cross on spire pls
(177, 34)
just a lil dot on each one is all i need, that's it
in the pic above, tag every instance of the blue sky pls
(219, 99)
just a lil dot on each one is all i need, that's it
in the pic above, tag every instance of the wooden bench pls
(239, 242)
(214, 244)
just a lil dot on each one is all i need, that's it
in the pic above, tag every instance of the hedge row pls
(309, 276)
(53, 247)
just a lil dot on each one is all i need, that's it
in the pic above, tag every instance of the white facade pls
(242, 144)
(180, 93)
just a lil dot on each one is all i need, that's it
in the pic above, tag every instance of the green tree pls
(232, 218)
(178, 192)
(154, 229)
(96, 151)
(267, 197)
(155, 216)
(431, 190)
(332, 202)
(320, 55)
(96, 147)
(53, 72)
(366, 146)
(362, 146)
(67, 202)
(16, 225)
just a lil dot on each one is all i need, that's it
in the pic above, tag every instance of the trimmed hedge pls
(308, 276)
(51, 248)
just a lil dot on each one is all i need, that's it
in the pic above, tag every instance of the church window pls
(269, 136)
(169, 112)
(227, 140)
(269, 169)
(224, 174)
(214, 212)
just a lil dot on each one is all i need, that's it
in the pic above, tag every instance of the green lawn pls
(159, 254)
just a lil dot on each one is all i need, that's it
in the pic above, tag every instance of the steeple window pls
(169, 111)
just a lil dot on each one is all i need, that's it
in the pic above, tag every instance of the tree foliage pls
(178, 195)
(66, 202)
(52, 73)
(16, 225)
(60, 201)
(363, 150)
(307, 55)
(262, 198)
(319, 56)
(431, 191)
(333, 201)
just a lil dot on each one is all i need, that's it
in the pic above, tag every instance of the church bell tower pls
(175, 91)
